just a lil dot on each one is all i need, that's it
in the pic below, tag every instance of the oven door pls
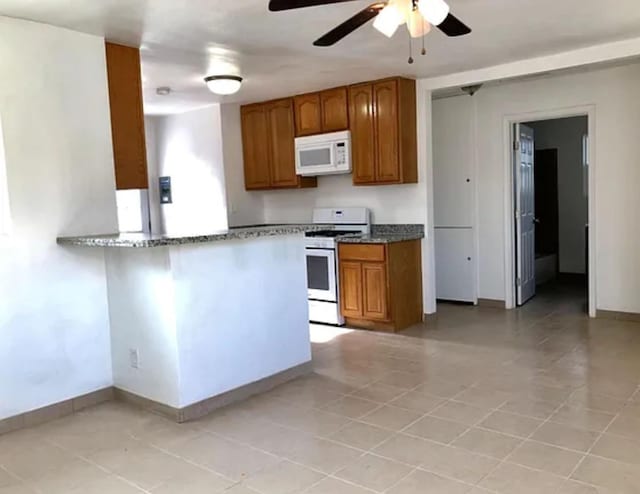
(321, 274)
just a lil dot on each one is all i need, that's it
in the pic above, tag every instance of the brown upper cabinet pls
(382, 117)
(127, 116)
(268, 133)
(325, 111)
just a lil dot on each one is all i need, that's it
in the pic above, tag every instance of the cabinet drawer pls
(362, 252)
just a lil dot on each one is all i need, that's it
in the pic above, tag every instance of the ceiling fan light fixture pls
(223, 84)
(388, 20)
(417, 25)
(434, 11)
(404, 8)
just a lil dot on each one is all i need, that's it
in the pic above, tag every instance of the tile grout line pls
(594, 444)
(505, 459)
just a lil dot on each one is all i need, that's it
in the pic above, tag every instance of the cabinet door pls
(453, 154)
(307, 114)
(351, 289)
(374, 281)
(361, 123)
(281, 143)
(255, 145)
(386, 129)
(455, 278)
(334, 109)
(127, 117)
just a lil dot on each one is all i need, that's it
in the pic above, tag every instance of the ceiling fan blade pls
(350, 25)
(278, 5)
(452, 26)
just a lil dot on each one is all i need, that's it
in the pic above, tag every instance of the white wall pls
(151, 136)
(207, 318)
(242, 312)
(53, 304)
(5, 216)
(613, 93)
(565, 135)
(388, 203)
(188, 148)
(142, 315)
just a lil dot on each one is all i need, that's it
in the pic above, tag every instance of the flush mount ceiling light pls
(223, 84)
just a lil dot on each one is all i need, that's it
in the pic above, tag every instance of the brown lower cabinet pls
(381, 285)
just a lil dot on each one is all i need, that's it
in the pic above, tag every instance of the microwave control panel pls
(341, 153)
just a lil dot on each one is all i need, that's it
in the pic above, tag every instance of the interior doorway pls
(551, 208)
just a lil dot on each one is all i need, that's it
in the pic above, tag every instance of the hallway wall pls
(612, 93)
(565, 134)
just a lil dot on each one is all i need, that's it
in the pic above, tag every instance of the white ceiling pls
(184, 40)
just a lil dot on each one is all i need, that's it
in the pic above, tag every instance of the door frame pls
(509, 122)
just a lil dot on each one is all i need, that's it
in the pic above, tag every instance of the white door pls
(525, 214)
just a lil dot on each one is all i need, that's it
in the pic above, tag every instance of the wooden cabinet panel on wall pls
(385, 97)
(281, 143)
(374, 290)
(307, 114)
(268, 133)
(334, 109)
(351, 289)
(127, 116)
(255, 147)
(381, 285)
(383, 132)
(362, 125)
(317, 113)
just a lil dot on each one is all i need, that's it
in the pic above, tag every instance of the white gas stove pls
(322, 266)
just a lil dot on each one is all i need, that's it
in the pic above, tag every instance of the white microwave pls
(324, 154)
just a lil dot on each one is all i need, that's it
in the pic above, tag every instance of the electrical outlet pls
(134, 358)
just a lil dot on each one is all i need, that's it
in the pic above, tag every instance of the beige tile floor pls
(539, 400)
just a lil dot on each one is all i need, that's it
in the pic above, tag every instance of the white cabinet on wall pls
(453, 184)
(455, 278)
(453, 158)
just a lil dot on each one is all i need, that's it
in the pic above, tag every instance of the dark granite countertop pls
(386, 234)
(379, 239)
(142, 240)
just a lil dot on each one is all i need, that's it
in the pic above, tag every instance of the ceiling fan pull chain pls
(424, 30)
(410, 50)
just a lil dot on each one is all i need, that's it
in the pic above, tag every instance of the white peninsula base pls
(192, 323)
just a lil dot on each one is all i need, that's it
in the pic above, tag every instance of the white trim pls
(425, 162)
(603, 53)
(509, 258)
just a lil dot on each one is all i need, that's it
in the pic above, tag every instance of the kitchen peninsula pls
(199, 321)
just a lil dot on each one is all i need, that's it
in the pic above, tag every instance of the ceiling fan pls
(419, 15)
